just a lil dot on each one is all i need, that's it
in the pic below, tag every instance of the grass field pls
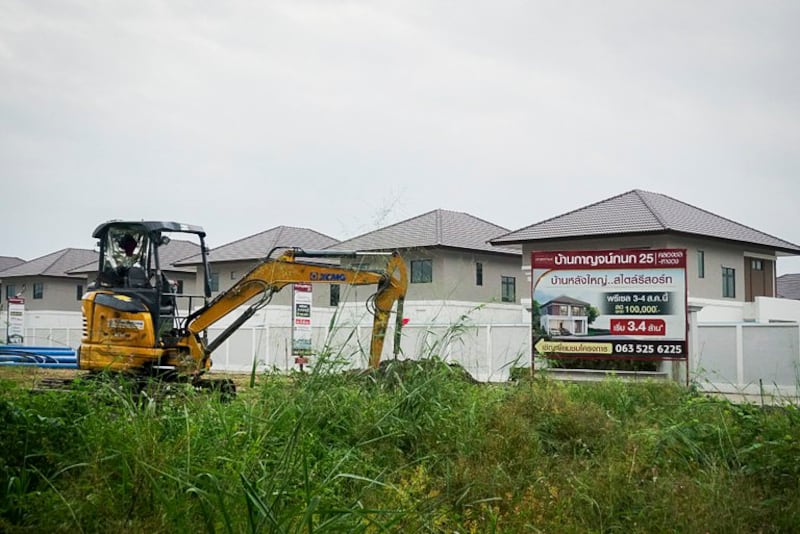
(414, 447)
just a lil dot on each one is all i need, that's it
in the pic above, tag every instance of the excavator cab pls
(132, 303)
(127, 258)
(130, 267)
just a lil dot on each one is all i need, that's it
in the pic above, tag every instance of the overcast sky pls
(344, 116)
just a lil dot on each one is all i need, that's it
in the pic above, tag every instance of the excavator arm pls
(272, 275)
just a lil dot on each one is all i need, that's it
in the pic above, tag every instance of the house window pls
(179, 287)
(701, 264)
(421, 271)
(214, 281)
(478, 274)
(79, 291)
(335, 288)
(728, 282)
(757, 265)
(508, 289)
(233, 275)
(11, 291)
(38, 290)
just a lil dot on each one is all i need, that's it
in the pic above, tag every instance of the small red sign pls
(638, 327)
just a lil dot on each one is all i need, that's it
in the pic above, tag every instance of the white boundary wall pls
(748, 358)
(486, 339)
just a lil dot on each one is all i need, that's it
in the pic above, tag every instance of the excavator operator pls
(125, 265)
(128, 244)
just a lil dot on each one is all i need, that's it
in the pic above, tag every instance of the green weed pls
(416, 446)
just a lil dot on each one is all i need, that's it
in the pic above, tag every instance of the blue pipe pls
(25, 359)
(38, 350)
(42, 365)
(36, 356)
(25, 348)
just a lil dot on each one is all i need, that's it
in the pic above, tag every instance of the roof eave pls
(482, 250)
(43, 275)
(786, 250)
(521, 241)
(448, 247)
(744, 244)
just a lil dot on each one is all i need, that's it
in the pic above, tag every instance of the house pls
(449, 258)
(184, 277)
(565, 316)
(788, 286)
(7, 262)
(452, 270)
(228, 263)
(728, 263)
(46, 282)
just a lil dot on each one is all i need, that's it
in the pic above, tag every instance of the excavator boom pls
(272, 275)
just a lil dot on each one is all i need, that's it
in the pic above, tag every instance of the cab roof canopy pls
(150, 227)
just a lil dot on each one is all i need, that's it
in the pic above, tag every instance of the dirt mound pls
(396, 371)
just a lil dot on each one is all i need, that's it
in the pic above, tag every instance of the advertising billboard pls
(610, 303)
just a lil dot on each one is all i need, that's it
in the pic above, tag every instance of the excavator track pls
(142, 387)
(52, 384)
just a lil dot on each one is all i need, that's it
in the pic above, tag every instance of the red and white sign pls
(301, 320)
(638, 327)
(15, 331)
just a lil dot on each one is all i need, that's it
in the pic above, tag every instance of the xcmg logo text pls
(327, 277)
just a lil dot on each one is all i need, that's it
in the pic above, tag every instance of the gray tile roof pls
(56, 264)
(640, 211)
(259, 245)
(7, 262)
(563, 299)
(177, 249)
(788, 286)
(437, 228)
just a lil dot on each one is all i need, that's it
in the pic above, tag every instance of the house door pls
(759, 278)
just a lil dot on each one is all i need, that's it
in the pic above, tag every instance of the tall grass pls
(413, 447)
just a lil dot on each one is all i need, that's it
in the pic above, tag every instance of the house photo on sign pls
(610, 303)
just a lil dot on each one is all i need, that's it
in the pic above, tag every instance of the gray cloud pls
(240, 116)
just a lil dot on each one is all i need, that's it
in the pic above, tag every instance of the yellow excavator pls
(134, 320)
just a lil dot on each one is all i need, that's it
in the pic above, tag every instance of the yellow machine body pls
(119, 335)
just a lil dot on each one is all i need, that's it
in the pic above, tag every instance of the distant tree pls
(592, 313)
